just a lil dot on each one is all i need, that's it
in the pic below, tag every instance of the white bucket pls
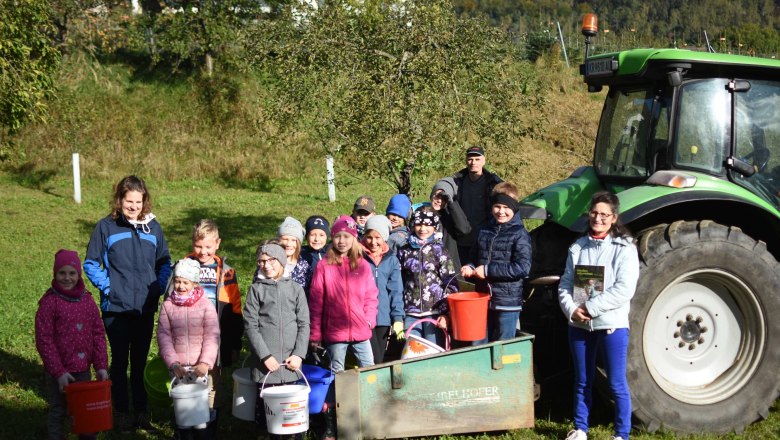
(244, 394)
(416, 346)
(286, 407)
(191, 402)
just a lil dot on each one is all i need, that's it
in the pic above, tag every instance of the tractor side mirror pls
(674, 78)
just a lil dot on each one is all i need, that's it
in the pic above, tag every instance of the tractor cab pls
(692, 112)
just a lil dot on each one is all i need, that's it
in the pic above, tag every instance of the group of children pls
(377, 276)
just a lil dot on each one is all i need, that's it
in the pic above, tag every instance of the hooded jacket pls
(188, 335)
(231, 321)
(343, 302)
(398, 238)
(609, 308)
(428, 276)
(505, 251)
(387, 275)
(460, 179)
(276, 321)
(69, 333)
(313, 256)
(129, 263)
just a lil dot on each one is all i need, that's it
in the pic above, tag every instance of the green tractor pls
(690, 142)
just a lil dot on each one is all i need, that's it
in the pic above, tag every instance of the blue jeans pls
(501, 325)
(129, 337)
(584, 347)
(338, 351)
(426, 330)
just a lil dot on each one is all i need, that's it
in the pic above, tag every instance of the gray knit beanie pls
(276, 252)
(291, 227)
(448, 187)
(379, 223)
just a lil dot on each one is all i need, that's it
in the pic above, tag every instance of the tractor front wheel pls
(705, 329)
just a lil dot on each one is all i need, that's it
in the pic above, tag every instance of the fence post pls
(331, 179)
(76, 179)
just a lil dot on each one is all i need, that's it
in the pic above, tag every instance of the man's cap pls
(475, 151)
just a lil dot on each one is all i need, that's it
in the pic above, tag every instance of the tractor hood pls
(565, 202)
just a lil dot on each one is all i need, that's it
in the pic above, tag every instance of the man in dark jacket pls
(474, 184)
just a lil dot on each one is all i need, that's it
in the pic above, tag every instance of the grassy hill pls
(122, 120)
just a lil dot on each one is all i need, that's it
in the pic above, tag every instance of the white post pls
(331, 179)
(76, 179)
(563, 45)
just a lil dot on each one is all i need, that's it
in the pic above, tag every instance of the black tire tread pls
(687, 237)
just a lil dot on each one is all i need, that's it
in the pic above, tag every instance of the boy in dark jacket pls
(501, 261)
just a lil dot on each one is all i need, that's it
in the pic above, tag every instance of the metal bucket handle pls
(433, 321)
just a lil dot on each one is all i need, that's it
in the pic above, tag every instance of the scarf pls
(187, 299)
(416, 242)
(376, 258)
(73, 294)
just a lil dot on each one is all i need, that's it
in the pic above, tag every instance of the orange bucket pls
(468, 313)
(89, 406)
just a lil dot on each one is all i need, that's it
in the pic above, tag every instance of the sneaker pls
(616, 437)
(142, 422)
(577, 434)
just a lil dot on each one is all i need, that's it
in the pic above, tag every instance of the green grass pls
(40, 218)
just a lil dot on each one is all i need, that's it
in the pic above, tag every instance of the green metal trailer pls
(472, 389)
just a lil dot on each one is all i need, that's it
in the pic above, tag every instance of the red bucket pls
(89, 405)
(468, 313)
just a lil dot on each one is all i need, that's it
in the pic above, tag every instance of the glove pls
(398, 329)
(64, 380)
(102, 375)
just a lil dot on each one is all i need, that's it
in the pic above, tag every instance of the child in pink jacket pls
(343, 305)
(343, 298)
(69, 336)
(188, 330)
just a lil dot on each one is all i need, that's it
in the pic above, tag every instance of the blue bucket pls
(320, 380)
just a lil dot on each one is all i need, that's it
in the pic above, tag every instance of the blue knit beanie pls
(317, 222)
(399, 205)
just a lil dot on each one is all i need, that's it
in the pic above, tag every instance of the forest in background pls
(750, 27)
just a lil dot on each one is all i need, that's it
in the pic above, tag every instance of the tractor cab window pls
(633, 134)
(703, 128)
(757, 138)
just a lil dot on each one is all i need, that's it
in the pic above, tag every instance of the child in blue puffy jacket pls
(501, 262)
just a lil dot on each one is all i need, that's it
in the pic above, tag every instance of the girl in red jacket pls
(69, 336)
(188, 331)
